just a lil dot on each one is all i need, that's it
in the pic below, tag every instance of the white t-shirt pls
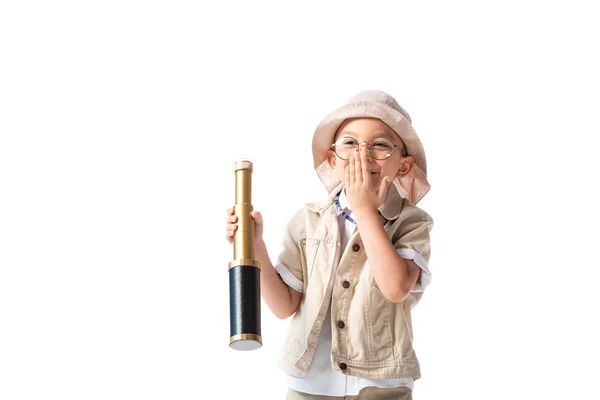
(320, 378)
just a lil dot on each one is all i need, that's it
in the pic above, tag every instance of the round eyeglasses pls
(379, 148)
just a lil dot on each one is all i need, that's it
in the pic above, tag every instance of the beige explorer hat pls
(373, 104)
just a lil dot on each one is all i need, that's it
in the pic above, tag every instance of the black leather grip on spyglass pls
(244, 300)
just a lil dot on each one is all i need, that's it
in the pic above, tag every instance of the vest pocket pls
(311, 248)
(378, 318)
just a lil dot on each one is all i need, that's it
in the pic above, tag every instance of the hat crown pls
(381, 97)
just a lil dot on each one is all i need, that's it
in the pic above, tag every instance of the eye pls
(348, 142)
(380, 144)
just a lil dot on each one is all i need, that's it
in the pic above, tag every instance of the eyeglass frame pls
(369, 150)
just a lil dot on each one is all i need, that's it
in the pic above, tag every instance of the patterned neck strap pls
(339, 208)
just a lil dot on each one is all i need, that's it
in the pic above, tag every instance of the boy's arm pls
(394, 275)
(281, 299)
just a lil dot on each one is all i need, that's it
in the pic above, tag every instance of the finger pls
(347, 176)
(365, 166)
(230, 211)
(352, 175)
(231, 218)
(230, 233)
(358, 169)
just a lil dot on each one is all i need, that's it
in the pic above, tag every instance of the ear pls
(331, 158)
(406, 165)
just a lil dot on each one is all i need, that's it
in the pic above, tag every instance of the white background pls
(120, 123)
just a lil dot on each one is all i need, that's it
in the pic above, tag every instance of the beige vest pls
(371, 337)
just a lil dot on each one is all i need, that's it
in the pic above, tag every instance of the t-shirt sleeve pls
(413, 242)
(289, 260)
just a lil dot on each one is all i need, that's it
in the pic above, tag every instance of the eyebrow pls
(378, 135)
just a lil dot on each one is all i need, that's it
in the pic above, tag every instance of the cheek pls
(391, 171)
(394, 166)
(340, 169)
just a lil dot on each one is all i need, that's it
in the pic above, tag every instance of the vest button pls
(343, 366)
(356, 247)
(341, 324)
(346, 284)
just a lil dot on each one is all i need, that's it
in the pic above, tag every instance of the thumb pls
(257, 216)
(383, 188)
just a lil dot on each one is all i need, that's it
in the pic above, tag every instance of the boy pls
(353, 267)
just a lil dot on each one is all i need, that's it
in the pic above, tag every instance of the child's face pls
(363, 131)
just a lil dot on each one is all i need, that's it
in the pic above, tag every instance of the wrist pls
(362, 212)
(260, 244)
(366, 217)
